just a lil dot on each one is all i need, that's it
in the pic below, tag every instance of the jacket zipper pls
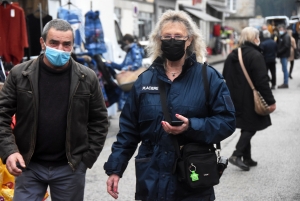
(35, 123)
(68, 147)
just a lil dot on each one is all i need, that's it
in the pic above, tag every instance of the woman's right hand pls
(272, 108)
(112, 185)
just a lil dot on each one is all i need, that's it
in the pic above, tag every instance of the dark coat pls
(284, 46)
(87, 122)
(140, 121)
(269, 48)
(241, 93)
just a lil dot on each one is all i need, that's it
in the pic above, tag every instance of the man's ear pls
(42, 43)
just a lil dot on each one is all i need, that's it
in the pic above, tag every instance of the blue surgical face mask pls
(281, 32)
(56, 57)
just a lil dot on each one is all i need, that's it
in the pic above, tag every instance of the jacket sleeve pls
(220, 121)
(117, 66)
(127, 138)
(259, 76)
(97, 123)
(7, 110)
(293, 43)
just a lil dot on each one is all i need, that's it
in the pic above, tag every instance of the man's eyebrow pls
(52, 40)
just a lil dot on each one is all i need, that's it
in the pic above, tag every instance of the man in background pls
(269, 48)
(283, 52)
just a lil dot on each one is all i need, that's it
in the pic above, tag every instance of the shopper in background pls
(269, 48)
(283, 52)
(292, 55)
(242, 95)
(132, 61)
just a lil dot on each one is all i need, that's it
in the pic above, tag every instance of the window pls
(118, 32)
(145, 25)
(231, 4)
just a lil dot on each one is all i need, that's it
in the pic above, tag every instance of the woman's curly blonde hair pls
(197, 45)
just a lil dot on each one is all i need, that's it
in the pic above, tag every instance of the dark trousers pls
(271, 66)
(64, 184)
(243, 147)
(291, 67)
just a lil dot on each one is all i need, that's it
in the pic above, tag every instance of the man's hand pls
(11, 164)
(112, 185)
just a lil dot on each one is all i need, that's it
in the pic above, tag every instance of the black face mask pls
(173, 49)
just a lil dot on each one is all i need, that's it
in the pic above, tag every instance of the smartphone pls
(20, 167)
(176, 123)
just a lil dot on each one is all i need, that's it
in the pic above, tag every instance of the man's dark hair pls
(281, 26)
(128, 37)
(57, 24)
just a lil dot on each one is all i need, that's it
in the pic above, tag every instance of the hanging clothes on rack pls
(74, 17)
(2, 72)
(13, 33)
(34, 32)
(94, 33)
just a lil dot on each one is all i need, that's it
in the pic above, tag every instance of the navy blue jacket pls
(140, 121)
(269, 48)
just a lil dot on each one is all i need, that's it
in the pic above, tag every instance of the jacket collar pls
(158, 63)
(190, 60)
(249, 44)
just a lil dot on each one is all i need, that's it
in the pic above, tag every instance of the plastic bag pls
(7, 184)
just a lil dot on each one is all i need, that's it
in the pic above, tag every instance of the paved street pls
(277, 176)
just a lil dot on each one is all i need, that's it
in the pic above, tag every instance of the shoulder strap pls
(206, 89)
(163, 100)
(244, 69)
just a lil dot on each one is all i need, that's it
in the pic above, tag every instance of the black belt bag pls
(197, 167)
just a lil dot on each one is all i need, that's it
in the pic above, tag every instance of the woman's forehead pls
(174, 28)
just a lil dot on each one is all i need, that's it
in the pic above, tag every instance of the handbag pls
(196, 165)
(126, 79)
(260, 105)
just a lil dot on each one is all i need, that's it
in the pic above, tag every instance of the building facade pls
(244, 10)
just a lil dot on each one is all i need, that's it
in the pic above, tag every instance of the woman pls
(242, 94)
(176, 45)
(292, 55)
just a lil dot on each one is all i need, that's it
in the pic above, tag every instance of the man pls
(261, 35)
(61, 120)
(283, 52)
(269, 48)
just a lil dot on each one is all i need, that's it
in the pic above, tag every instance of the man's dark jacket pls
(269, 48)
(284, 46)
(240, 91)
(87, 122)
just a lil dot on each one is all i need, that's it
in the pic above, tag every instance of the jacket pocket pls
(142, 173)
